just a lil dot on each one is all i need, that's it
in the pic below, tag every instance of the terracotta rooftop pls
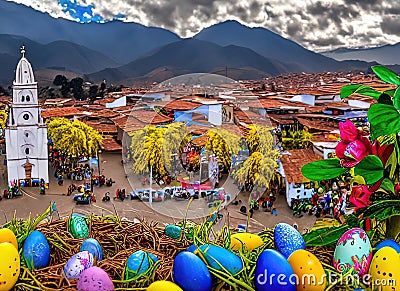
(103, 128)
(110, 144)
(178, 104)
(249, 117)
(106, 113)
(128, 124)
(61, 112)
(200, 141)
(150, 117)
(321, 125)
(293, 162)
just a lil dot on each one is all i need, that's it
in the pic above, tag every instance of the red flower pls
(359, 196)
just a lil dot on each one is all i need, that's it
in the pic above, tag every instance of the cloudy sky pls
(317, 25)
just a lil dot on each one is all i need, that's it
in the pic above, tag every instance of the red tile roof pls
(110, 144)
(61, 112)
(103, 127)
(149, 117)
(293, 162)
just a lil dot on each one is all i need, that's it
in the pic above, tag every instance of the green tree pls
(75, 139)
(93, 92)
(60, 80)
(76, 86)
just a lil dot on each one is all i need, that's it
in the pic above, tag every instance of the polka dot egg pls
(9, 266)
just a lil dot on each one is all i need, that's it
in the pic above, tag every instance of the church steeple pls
(24, 73)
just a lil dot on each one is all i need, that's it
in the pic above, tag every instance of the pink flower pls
(353, 147)
(348, 131)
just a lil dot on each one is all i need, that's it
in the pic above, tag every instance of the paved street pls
(167, 212)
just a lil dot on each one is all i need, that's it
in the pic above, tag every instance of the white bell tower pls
(26, 133)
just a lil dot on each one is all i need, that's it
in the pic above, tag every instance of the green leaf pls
(386, 75)
(384, 120)
(371, 168)
(323, 170)
(324, 236)
(368, 91)
(387, 185)
(348, 90)
(396, 98)
(382, 209)
(390, 92)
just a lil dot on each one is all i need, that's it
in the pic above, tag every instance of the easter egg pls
(94, 279)
(220, 259)
(77, 264)
(9, 266)
(246, 240)
(288, 239)
(309, 270)
(78, 227)
(138, 263)
(353, 250)
(385, 270)
(36, 250)
(173, 231)
(190, 273)
(388, 243)
(163, 286)
(273, 272)
(7, 235)
(192, 248)
(92, 246)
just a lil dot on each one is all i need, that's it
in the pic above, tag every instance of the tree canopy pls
(224, 144)
(153, 147)
(74, 138)
(260, 167)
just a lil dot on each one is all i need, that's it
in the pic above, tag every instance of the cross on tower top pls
(23, 51)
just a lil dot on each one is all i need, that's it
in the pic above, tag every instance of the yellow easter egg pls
(310, 274)
(9, 266)
(248, 240)
(163, 286)
(7, 235)
(385, 270)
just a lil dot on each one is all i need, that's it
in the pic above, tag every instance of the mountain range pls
(123, 52)
(386, 55)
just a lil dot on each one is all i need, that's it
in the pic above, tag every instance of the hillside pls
(195, 56)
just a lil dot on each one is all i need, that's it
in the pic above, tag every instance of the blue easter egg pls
(217, 256)
(192, 248)
(388, 243)
(273, 272)
(190, 273)
(138, 263)
(288, 239)
(92, 246)
(36, 250)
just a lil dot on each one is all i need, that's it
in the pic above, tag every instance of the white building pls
(26, 133)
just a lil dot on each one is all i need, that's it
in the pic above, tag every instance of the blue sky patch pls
(84, 13)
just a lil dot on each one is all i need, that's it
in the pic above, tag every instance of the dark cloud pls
(328, 41)
(294, 28)
(391, 25)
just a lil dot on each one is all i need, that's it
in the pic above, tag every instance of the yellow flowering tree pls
(75, 138)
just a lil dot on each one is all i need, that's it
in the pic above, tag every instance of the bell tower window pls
(26, 116)
(28, 98)
(27, 151)
(22, 98)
